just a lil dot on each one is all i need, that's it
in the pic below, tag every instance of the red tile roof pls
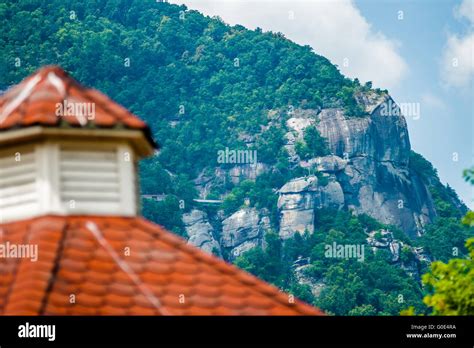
(85, 258)
(34, 102)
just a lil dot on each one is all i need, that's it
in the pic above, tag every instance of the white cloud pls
(432, 101)
(335, 29)
(465, 9)
(457, 64)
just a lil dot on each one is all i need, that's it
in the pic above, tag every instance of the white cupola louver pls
(18, 188)
(90, 177)
(67, 178)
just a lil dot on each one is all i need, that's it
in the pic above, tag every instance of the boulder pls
(244, 230)
(239, 227)
(327, 164)
(298, 185)
(394, 248)
(245, 246)
(296, 221)
(200, 231)
(296, 202)
(332, 195)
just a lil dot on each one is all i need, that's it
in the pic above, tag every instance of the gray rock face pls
(298, 200)
(245, 246)
(383, 138)
(300, 185)
(200, 231)
(376, 179)
(332, 195)
(243, 230)
(210, 178)
(299, 120)
(368, 164)
(390, 194)
(296, 203)
(247, 171)
(239, 227)
(395, 250)
(421, 255)
(326, 164)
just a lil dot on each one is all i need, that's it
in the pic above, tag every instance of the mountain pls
(284, 155)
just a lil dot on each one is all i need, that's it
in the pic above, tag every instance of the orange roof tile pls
(34, 101)
(84, 268)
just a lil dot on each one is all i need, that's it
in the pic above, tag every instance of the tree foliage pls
(314, 144)
(452, 285)
(350, 287)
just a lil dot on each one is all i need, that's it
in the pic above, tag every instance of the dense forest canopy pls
(164, 63)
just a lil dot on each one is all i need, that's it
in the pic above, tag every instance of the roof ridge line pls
(149, 295)
(55, 270)
(11, 105)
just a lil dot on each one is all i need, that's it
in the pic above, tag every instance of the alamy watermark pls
(28, 330)
(345, 251)
(19, 251)
(409, 109)
(77, 109)
(237, 156)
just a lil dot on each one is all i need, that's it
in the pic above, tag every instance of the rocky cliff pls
(376, 178)
(367, 171)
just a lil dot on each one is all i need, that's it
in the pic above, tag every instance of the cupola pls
(67, 150)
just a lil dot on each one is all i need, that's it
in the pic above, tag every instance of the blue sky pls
(446, 124)
(411, 53)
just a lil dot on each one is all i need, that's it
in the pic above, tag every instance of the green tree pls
(445, 238)
(452, 285)
(314, 144)
(469, 177)
(364, 310)
(166, 213)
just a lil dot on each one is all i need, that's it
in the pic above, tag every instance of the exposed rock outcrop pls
(326, 164)
(331, 195)
(369, 161)
(315, 286)
(298, 200)
(242, 172)
(298, 121)
(209, 178)
(410, 261)
(200, 232)
(367, 171)
(243, 230)
(376, 179)
(296, 203)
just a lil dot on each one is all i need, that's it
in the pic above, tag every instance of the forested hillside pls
(168, 65)
(331, 168)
